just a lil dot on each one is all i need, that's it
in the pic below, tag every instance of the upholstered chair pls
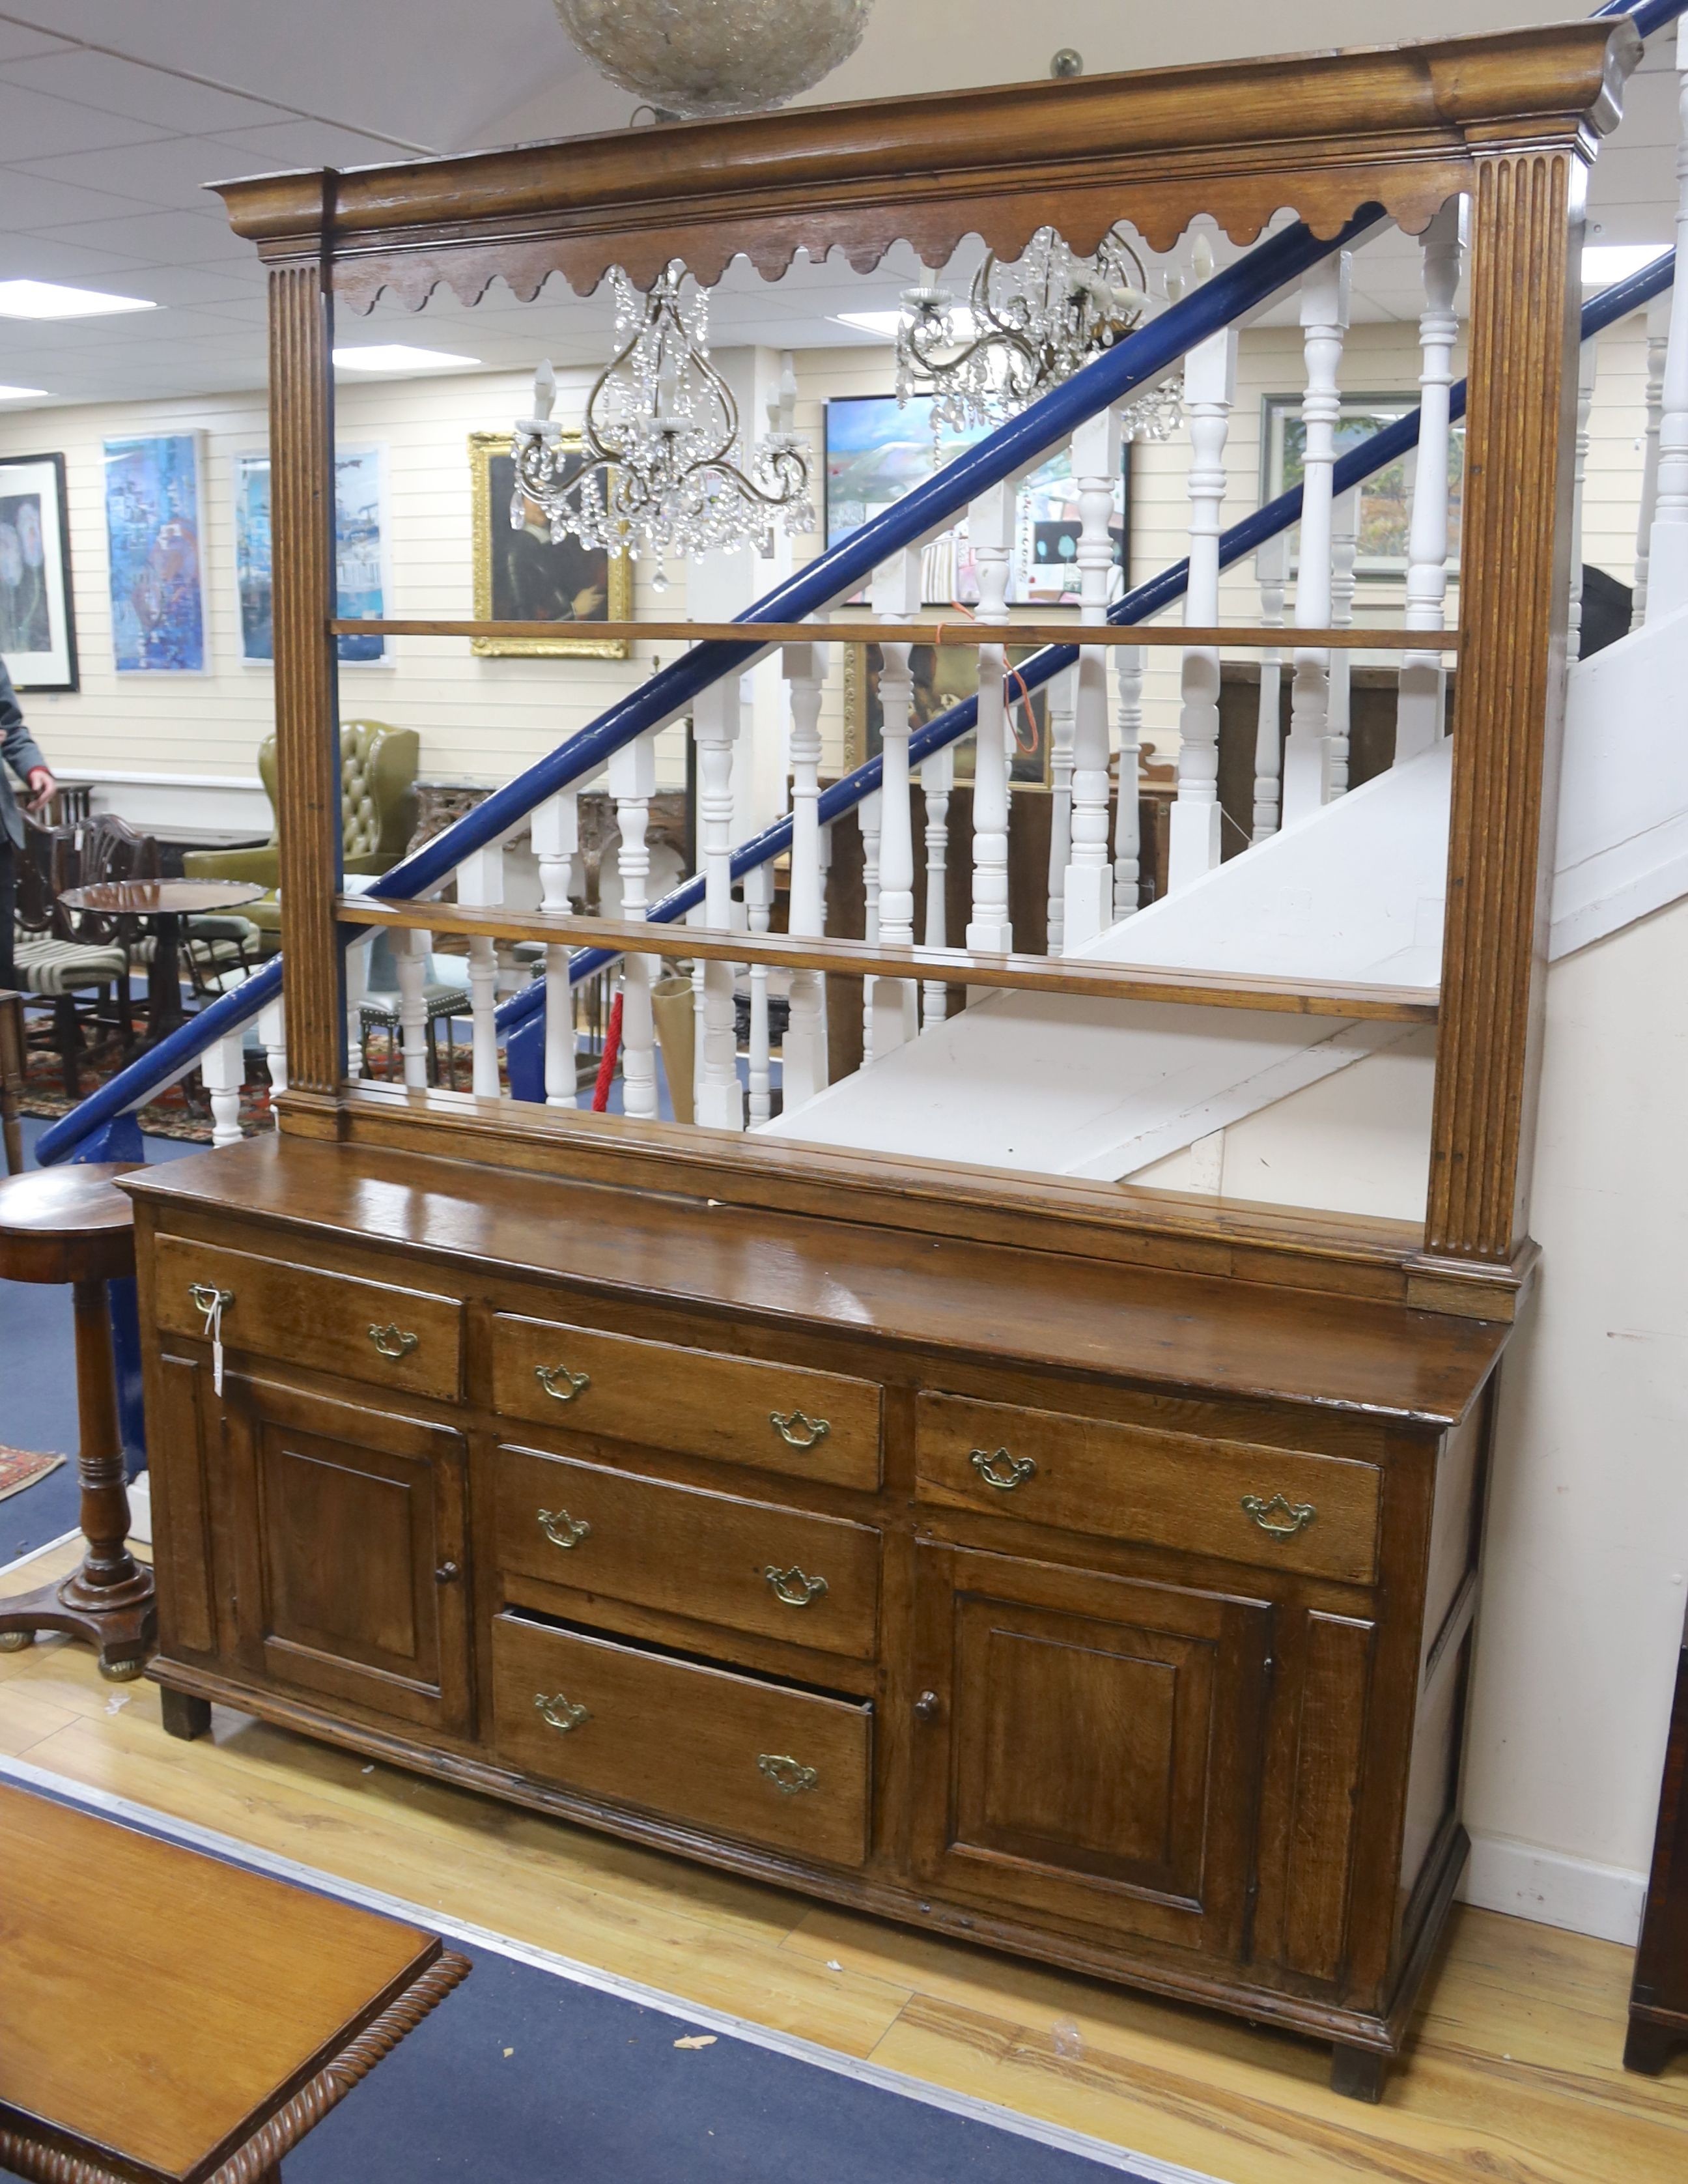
(378, 804)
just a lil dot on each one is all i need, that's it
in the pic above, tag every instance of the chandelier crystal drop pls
(663, 472)
(693, 58)
(1027, 325)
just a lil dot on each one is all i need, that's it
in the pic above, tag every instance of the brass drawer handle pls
(563, 1530)
(793, 1587)
(576, 1384)
(1298, 1515)
(798, 1431)
(392, 1341)
(208, 1300)
(1002, 1471)
(562, 1715)
(789, 1776)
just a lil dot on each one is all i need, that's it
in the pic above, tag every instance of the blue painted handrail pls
(518, 1017)
(834, 574)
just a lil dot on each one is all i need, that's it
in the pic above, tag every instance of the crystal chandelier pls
(662, 471)
(1026, 326)
(702, 57)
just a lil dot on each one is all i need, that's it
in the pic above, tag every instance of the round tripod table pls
(72, 1224)
(163, 903)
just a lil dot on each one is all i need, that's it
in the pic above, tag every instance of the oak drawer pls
(784, 1767)
(773, 1418)
(1278, 1508)
(334, 1322)
(712, 1557)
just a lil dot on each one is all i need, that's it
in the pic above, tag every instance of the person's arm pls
(22, 752)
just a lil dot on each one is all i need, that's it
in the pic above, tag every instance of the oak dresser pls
(1119, 1618)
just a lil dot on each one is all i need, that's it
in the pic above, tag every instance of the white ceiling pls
(115, 114)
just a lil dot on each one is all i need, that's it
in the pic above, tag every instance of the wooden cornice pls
(1324, 133)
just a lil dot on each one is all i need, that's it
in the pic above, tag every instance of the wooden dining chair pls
(12, 1079)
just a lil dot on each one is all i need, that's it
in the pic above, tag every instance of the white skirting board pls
(1553, 1890)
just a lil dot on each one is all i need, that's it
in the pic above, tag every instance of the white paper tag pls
(213, 1329)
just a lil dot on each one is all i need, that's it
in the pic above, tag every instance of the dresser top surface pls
(1196, 1334)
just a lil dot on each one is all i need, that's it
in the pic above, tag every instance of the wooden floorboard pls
(1513, 2077)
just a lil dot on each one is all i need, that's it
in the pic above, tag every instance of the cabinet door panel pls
(1101, 1763)
(350, 1529)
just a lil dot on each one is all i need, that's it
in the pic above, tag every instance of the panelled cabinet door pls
(1088, 1747)
(348, 1527)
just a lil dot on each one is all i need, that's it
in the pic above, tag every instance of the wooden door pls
(347, 1524)
(1089, 1747)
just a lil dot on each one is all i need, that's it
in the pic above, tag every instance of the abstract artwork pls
(360, 530)
(154, 532)
(521, 574)
(878, 450)
(1385, 510)
(37, 614)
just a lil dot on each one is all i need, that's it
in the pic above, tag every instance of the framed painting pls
(360, 528)
(154, 523)
(878, 450)
(521, 576)
(943, 677)
(38, 611)
(1385, 513)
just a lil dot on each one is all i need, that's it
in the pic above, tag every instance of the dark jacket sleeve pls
(21, 748)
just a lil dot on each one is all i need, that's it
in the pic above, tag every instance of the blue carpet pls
(38, 1387)
(524, 2076)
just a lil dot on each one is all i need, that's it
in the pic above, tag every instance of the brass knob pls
(929, 1706)
(447, 1573)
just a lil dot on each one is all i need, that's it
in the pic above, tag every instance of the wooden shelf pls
(955, 631)
(1079, 975)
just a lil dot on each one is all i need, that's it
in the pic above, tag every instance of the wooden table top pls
(160, 898)
(156, 2004)
(990, 1302)
(58, 1224)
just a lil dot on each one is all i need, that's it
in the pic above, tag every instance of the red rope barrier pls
(606, 1068)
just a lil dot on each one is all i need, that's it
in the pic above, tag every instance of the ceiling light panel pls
(399, 356)
(47, 299)
(1603, 263)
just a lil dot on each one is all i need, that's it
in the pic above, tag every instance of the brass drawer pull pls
(392, 1341)
(563, 1530)
(1296, 1515)
(562, 1715)
(208, 1300)
(789, 1776)
(795, 1589)
(798, 1431)
(1002, 1471)
(573, 1384)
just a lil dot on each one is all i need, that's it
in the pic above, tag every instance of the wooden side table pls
(1659, 2000)
(245, 2008)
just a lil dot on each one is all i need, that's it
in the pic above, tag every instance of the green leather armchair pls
(378, 806)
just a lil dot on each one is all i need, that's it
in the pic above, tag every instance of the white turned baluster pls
(759, 895)
(1658, 330)
(990, 526)
(1130, 662)
(222, 1071)
(803, 1071)
(272, 1037)
(1087, 882)
(1588, 366)
(1420, 706)
(1668, 552)
(632, 783)
(1271, 570)
(936, 779)
(1062, 727)
(715, 724)
(561, 1084)
(1210, 389)
(556, 839)
(1324, 324)
(357, 989)
(1344, 520)
(868, 812)
(481, 886)
(410, 954)
(896, 597)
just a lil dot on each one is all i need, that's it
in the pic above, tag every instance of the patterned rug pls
(22, 1467)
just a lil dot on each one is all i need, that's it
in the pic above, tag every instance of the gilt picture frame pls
(521, 576)
(37, 606)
